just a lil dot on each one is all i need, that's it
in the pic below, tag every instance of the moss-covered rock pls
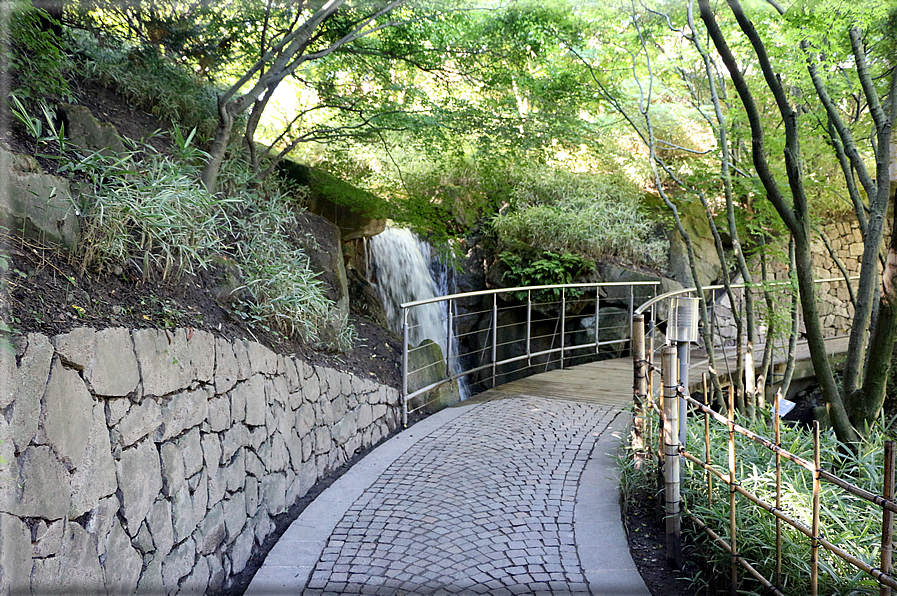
(356, 212)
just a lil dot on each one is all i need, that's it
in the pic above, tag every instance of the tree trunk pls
(219, 145)
(816, 342)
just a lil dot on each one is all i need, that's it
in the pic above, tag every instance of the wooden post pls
(639, 381)
(777, 424)
(707, 440)
(733, 525)
(671, 457)
(887, 518)
(814, 547)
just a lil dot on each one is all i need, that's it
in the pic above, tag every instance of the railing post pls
(529, 322)
(671, 457)
(494, 334)
(404, 368)
(887, 519)
(639, 381)
(448, 340)
(563, 321)
(598, 309)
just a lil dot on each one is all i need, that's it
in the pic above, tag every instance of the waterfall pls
(402, 268)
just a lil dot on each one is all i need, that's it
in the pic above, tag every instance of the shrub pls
(286, 294)
(153, 213)
(590, 216)
(149, 80)
(36, 56)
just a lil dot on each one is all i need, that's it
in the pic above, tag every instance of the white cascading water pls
(402, 268)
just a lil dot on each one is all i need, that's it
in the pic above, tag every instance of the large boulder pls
(320, 239)
(426, 366)
(34, 203)
(365, 299)
(87, 133)
(707, 263)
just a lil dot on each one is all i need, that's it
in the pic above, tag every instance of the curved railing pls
(721, 315)
(493, 336)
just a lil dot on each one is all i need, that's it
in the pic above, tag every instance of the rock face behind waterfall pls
(400, 266)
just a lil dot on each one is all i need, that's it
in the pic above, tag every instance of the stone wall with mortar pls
(833, 298)
(153, 461)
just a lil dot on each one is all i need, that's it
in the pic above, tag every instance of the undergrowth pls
(845, 520)
(150, 212)
(142, 75)
(586, 215)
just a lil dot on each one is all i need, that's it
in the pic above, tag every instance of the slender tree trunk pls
(865, 403)
(795, 321)
(219, 145)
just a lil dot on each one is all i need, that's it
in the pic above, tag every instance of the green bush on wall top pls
(591, 216)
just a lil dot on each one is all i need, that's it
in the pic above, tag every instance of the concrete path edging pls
(597, 529)
(289, 564)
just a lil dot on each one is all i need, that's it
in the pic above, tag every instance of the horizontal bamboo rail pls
(881, 575)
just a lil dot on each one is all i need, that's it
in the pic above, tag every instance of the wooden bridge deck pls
(609, 382)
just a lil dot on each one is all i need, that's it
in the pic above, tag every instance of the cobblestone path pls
(482, 505)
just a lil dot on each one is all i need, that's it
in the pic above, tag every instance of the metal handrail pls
(489, 353)
(758, 285)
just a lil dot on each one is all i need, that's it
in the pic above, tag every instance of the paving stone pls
(462, 500)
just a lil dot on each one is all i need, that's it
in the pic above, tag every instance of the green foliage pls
(43, 134)
(591, 216)
(333, 189)
(852, 523)
(549, 269)
(36, 58)
(150, 80)
(287, 296)
(153, 213)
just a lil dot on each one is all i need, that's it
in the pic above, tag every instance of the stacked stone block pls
(833, 298)
(154, 461)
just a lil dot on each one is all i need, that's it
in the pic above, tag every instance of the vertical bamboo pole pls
(671, 458)
(814, 548)
(733, 529)
(887, 518)
(777, 424)
(707, 440)
(639, 381)
(660, 426)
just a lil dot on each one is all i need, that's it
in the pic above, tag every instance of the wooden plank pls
(609, 382)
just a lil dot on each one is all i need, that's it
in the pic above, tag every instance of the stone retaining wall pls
(833, 298)
(154, 461)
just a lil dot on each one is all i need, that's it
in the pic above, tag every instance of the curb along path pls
(508, 496)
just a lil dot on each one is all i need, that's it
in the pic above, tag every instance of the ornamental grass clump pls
(150, 212)
(286, 294)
